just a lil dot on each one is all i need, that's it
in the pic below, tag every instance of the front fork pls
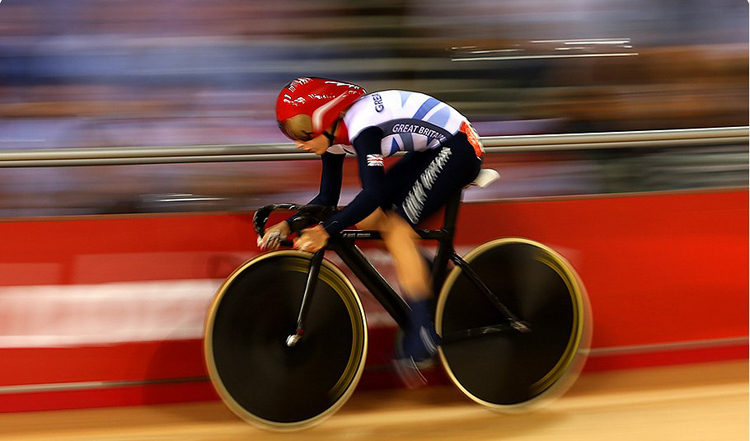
(312, 280)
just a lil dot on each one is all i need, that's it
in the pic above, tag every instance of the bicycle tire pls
(508, 370)
(260, 378)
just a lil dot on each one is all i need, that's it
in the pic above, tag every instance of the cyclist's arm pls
(372, 176)
(330, 180)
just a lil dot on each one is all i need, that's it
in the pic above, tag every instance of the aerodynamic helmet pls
(307, 106)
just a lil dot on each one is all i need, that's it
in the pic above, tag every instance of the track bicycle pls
(286, 335)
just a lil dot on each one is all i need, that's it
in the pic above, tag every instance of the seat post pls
(451, 213)
(445, 246)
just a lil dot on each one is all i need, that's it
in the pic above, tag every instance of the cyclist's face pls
(298, 128)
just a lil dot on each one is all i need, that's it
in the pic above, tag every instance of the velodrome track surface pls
(701, 402)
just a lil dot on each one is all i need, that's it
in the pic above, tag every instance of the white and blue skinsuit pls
(444, 155)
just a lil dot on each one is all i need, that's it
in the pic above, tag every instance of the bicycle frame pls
(344, 246)
(355, 259)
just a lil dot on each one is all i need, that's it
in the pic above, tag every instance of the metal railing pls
(272, 152)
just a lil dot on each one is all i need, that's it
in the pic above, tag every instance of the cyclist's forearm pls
(324, 199)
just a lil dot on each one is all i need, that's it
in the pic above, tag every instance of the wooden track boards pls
(698, 402)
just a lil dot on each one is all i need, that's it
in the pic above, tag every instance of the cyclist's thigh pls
(401, 175)
(450, 169)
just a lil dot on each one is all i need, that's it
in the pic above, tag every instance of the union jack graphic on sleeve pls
(375, 160)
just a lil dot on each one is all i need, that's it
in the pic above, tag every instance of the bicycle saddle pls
(485, 177)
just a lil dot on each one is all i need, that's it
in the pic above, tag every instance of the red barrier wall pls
(122, 298)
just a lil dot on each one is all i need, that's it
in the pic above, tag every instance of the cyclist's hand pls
(273, 237)
(312, 239)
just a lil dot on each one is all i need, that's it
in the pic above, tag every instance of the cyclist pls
(332, 118)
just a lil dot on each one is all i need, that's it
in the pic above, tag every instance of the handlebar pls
(306, 215)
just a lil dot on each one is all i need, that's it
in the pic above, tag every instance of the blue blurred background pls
(116, 73)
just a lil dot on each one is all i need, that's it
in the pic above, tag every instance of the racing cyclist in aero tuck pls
(331, 118)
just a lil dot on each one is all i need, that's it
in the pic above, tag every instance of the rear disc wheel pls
(501, 367)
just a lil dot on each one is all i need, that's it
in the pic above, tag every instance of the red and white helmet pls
(308, 106)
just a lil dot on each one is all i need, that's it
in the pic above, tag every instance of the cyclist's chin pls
(319, 150)
(313, 147)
